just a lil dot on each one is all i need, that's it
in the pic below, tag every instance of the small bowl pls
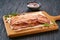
(33, 5)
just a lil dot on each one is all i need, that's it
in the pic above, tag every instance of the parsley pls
(46, 24)
(13, 14)
(6, 16)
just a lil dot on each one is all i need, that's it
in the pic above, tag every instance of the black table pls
(19, 6)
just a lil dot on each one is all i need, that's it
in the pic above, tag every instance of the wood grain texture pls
(19, 6)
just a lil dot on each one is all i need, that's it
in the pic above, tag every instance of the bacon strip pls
(23, 21)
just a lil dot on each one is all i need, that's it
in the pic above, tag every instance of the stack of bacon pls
(28, 20)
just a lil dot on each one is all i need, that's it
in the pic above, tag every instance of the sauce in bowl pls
(33, 5)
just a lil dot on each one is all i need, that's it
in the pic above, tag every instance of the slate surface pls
(19, 6)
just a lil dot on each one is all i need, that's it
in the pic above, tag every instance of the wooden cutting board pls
(12, 33)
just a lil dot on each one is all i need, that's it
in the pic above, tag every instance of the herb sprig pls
(46, 24)
(11, 14)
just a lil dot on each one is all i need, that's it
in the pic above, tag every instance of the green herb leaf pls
(6, 16)
(46, 24)
(13, 14)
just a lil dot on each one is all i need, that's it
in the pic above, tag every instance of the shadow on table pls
(28, 10)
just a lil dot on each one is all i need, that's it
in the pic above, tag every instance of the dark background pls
(19, 6)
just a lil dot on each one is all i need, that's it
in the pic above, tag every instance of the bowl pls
(33, 5)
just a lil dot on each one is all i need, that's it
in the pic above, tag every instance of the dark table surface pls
(19, 6)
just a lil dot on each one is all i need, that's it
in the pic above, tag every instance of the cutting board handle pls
(56, 17)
